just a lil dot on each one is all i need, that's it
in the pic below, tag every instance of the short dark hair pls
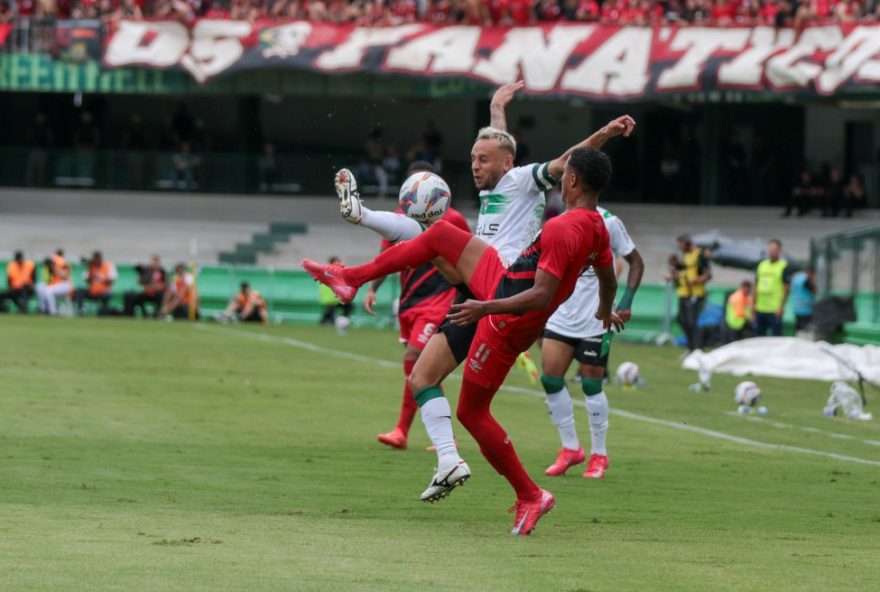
(245, 285)
(775, 240)
(418, 166)
(746, 284)
(18, 255)
(592, 167)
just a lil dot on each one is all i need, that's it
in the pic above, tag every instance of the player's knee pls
(418, 380)
(552, 384)
(591, 386)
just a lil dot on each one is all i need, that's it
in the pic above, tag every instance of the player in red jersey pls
(514, 304)
(425, 297)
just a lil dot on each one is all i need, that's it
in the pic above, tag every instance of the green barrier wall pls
(292, 296)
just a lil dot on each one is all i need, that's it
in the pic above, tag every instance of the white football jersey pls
(576, 317)
(511, 213)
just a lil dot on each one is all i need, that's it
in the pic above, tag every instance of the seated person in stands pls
(57, 283)
(247, 305)
(740, 312)
(20, 275)
(100, 277)
(181, 296)
(805, 194)
(153, 282)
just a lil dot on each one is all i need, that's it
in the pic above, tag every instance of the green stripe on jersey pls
(550, 179)
(539, 174)
(493, 203)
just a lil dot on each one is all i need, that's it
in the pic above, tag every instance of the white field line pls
(304, 345)
(812, 430)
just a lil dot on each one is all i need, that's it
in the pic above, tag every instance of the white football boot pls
(350, 206)
(445, 480)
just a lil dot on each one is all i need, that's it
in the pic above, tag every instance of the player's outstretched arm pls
(607, 292)
(502, 96)
(539, 296)
(622, 126)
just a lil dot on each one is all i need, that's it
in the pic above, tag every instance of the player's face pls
(773, 250)
(489, 162)
(569, 185)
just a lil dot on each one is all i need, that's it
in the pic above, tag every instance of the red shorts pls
(419, 323)
(486, 275)
(490, 357)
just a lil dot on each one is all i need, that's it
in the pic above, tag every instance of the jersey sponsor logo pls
(479, 358)
(490, 229)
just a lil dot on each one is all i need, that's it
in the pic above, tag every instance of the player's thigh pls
(434, 364)
(556, 356)
(592, 353)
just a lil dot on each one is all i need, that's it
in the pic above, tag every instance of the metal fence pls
(31, 35)
(848, 263)
(216, 172)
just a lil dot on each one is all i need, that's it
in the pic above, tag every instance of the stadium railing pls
(848, 264)
(216, 172)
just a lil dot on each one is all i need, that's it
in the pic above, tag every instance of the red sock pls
(441, 239)
(473, 413)
(408, 405)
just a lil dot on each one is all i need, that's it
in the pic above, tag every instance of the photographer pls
(20, 274)
(153, 280)
(100, 277)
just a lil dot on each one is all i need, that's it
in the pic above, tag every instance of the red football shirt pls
(567, 245)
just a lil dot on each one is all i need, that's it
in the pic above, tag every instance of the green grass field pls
(154, 456)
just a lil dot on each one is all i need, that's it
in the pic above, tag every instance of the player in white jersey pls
(574, 333)
(512, 206)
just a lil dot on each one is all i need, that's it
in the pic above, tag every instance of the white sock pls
(561, 411)
(437, 417)
(390, 226)
(597, 409)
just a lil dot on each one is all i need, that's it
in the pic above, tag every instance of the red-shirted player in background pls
(425, 297)
(513, 306)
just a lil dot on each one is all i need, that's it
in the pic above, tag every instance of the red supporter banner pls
(604, 62)
(5, 30)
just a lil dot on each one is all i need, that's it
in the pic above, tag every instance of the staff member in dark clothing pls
(691, 272)
(154, 283)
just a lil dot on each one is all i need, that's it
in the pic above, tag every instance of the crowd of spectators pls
(827, 191)
(472, 12)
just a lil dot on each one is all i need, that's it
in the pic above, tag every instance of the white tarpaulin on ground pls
(789, 357)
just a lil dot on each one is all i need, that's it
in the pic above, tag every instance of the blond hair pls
(502, 137)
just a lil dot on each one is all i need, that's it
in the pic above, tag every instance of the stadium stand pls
(473, 12)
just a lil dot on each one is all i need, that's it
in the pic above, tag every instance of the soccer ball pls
(424, 197)
(747, 393)
(627, 374)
